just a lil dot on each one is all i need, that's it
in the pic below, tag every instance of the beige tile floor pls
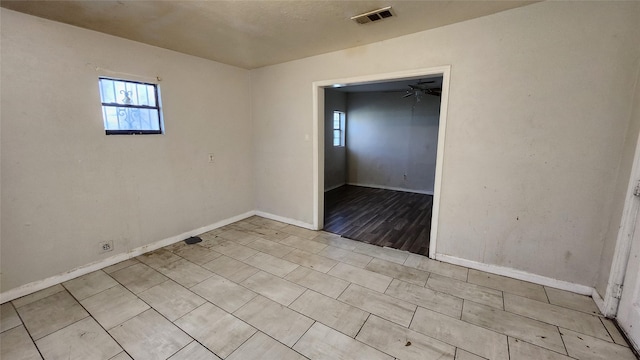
(260, 289)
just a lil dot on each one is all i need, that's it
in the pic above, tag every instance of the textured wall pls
(66, 186)
(392, 141)
(335, 157)
(539, 104)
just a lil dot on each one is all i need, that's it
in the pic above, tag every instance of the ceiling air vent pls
(374, 15)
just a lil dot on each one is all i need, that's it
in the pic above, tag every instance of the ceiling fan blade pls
(407, 95)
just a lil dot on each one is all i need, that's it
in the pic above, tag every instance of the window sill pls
(133, 132)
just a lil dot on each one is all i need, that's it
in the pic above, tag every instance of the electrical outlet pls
(211, 158)
(106, 246)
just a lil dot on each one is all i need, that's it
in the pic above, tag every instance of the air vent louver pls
(374, 15)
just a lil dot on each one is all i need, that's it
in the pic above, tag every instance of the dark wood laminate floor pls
(397, 219)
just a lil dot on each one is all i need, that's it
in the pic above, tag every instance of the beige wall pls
(335, 157)
(539, 112)
(66, 186)
(538, 109)
(392, 141)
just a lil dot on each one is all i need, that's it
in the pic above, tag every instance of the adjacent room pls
(488, 151)
(380, 164)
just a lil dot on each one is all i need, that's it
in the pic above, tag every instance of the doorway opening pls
(383, 182)
(380, 168)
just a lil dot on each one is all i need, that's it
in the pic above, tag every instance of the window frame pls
(341, 128)
(156, 93)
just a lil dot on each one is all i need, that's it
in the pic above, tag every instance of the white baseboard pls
(85, 269)
(426, 192)
(519, 274)
(600, 303)
(334, 187)
(285, 220)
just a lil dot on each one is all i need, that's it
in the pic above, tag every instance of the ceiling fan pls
(422, 89)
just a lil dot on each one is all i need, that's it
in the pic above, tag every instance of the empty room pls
(168, 171)
(380, 164)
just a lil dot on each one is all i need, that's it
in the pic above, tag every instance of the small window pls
(338, 128)
(130, 107)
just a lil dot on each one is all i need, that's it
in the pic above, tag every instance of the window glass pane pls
(148, 119)
(116, 118)
(143, 119)
(142, 95)
(133, 93)
(130, 95)
(120, 90)
(123, 93)
(338, 120)
(154, 120)
(151, 95)
(107, 92)
(128, 119)
(342, 127)
(111, 121)
(336, 137)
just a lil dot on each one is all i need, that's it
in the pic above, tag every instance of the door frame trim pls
(318, 136)
(609, 304)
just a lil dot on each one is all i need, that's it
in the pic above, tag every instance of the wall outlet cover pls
(106, 246)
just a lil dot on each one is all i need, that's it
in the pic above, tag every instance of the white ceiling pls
(252, 34)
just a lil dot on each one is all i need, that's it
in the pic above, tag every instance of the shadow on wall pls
(392, 140)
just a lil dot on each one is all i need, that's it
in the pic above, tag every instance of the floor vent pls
(374, 15)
